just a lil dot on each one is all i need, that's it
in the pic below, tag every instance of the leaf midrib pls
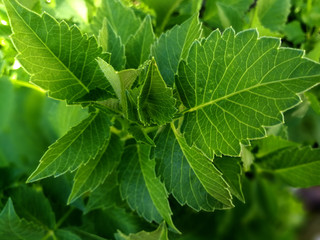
(49, 50)
(245, 90)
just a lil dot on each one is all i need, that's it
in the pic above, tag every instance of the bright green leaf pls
(273, 14)
(76, 147)
(59, 58)
(234, 85)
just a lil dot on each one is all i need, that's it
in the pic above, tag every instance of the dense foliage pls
(148, 116)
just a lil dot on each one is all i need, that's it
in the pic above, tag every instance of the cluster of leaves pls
(156, 118)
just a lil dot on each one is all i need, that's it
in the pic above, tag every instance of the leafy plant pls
(161, 120)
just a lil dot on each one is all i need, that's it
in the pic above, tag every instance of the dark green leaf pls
(75, 148)
(189, 176)
(140, 186)
(173, 46)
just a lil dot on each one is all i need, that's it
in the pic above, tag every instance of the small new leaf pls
(156, 104)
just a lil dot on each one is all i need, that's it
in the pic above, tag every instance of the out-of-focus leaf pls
(298, 167)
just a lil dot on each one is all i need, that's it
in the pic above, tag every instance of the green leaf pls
(294, 32)
(14, 228)
(161, 233)
(33, 206)
(140, 135)
(163, 10)
(139, 45)
(59, 58)
(89, 176)
(298, 167)
(223, 14)
(189, 176)
(234, 85)
(66, 235)
(272, 144)
(273, 14)
(231, 172)
(33, 5)
(112, 43)
(140, 186)
(76, 147)
(173, 46)
(114, 11)
(156, 104)
(105, 196)
(314, 101)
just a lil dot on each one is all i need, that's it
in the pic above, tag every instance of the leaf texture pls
(89, 176)
(80, 144)
(173, 46)
(59, 58)
(140, 186)
(188, 175)
(234, 85)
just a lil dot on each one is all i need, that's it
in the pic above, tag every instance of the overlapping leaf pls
(89, 176)
(139, 45)
(156, 104)
(173, 46)
(122, 19)
(112, 43)
(234, 85)
(161, 233)
(140, 186)
(80, 144)
(188, 175)
(59, 58)
(14, 228)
